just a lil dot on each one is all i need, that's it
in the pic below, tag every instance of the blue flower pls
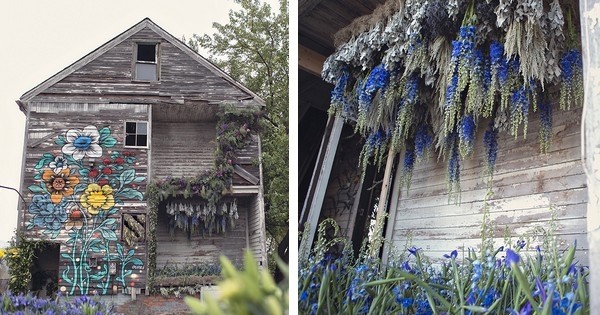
(521, 244)
(423, 141)
(413, 250)
(466, 133)
(409, 160)
(453, 254)
(407, 302)
(512, 258)
(377, 79)
(47, 215)
(490, 140)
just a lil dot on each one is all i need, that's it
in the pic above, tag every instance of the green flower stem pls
(523, 284)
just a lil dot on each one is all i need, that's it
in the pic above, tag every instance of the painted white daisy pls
(81, 143)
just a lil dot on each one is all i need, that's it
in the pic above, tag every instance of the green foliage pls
(19, 258)
(251, 291)
(253, 48)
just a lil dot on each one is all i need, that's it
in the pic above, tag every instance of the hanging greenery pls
(235, 128)
(448, 65)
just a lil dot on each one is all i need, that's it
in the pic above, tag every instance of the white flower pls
(59, 164)
(82, 143)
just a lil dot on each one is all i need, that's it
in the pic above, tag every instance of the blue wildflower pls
(413, 250)
(377, 79)
(545, 131)
(423, 141)
(466, 133)
(338, 94)
(519, 111)
(490, 140)
(407, 302)
(512, 258)
(453, 254)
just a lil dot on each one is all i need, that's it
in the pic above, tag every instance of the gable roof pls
(146, 22)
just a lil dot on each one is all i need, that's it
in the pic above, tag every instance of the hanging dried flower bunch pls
(447, 65)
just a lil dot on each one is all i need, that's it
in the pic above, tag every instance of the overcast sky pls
(40, 38)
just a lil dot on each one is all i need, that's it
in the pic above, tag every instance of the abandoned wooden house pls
(139, 157)
(400, 47)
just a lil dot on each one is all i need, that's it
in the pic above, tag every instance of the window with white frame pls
(136, 134)
(146, 62)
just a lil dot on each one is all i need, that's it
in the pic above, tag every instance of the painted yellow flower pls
(2, 253)
(96, 198)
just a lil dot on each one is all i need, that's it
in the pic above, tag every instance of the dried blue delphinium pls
(519, 110)
(571, 90)
(490, 141)
(466, 134)
(545, 131)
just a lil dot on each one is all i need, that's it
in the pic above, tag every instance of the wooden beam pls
(245, 174)
(318, 184)
(305, 6)
(394, 200)
(310, 60)
(382, 206)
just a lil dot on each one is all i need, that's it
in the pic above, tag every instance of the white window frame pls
(136, 127)
(135, 61)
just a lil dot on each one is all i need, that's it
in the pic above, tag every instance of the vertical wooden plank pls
(394, 200)
(320, 180)
(382, 206)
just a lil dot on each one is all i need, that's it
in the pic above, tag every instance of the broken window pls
(136, 134)
(146, 62)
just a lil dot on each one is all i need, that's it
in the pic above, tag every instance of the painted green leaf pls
(48, 156)
(104, 133)
(137, 262)
(65, 255)
(36, 189)
(131, 194)
(96, 248)
(60, 140)
(109, 142)
(84, 172)
(139, 179)
(108, 234)
(115, 154)
(120, 249)
(40, 164)
(110, 222)
(37, 176)
(127, 177)
(80, 188)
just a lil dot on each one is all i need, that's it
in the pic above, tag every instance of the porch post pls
(590, 133)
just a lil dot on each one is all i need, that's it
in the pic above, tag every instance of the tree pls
(253, 49)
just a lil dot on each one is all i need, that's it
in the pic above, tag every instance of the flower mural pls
(96, 198)
(47, 214)
(83, 143)
(59, 164)
(60, 184)
(79, 200)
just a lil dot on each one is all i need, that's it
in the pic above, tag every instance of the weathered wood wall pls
(122, 169)
(257, 242)
(182, 149)
(110, 76)
(526, 185)
(177, 250)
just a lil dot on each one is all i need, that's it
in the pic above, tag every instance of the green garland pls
(234, 130)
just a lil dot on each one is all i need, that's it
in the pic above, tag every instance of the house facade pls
(140, 156)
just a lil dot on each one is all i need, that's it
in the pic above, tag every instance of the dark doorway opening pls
(44, 270)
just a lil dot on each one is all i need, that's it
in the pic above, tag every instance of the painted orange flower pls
(96, 198)
(60, 184)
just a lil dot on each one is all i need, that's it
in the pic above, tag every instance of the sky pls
(40, 38)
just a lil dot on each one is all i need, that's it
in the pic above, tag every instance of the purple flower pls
(512, 258)
(413, 250)
(453, 254)
(521, 244)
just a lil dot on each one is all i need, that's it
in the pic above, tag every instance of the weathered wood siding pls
(124, 170)
(177, 250)
(256, 230)
(182, 149)
(526, 185)
(110, 76)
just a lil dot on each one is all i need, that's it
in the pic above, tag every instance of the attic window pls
(146, 62)
(136, 134)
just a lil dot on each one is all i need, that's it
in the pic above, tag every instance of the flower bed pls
(27, 304)
(512, 279)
